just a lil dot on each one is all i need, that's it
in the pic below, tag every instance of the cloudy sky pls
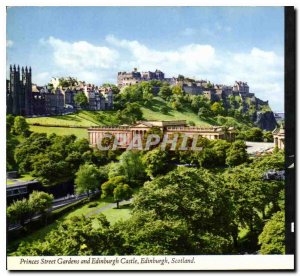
(94, 43)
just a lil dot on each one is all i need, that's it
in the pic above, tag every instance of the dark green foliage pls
(272, 238)
(237, 154)
(182, 212)
(20, 126)
(79, 236)
(81, 100)
(87, 179)
(165, 91)
(52, 159)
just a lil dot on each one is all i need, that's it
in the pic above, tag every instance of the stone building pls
(134, 77)
(19, 91)
(96, 134)
(279, 135)
(241, 87)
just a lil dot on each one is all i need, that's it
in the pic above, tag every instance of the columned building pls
(126, 132)
(278, 135)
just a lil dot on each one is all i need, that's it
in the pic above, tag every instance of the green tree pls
(20, 126)
(194, 208)
(177, 90)
(40, 202)
(155, 162)
(87, 179)
(272, 238)
(217, 108)
(10, 119)
(122, 192)
(81, 100)
(165, 91)
(132, 167)
(117, 188)
(237, 154)
(77, 236)
(18, 211)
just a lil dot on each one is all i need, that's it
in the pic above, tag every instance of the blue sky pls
(94, 43)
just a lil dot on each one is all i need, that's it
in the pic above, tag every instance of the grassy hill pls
(78, 122)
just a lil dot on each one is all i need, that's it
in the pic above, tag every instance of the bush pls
(92, 204)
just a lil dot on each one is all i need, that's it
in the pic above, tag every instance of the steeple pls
(10, 68)
(30, 69)
(22, 70)
(18, 68)
(26, 70)
(14, 67)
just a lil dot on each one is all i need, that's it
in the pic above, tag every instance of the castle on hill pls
(213, 92)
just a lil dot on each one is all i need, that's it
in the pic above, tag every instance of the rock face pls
(266, 120)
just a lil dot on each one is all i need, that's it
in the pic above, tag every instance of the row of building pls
(194, 87)
(27, 99)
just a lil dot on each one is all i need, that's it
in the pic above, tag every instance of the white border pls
(5, 3)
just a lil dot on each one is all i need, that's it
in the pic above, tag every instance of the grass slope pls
(85, 118)
(152, 112)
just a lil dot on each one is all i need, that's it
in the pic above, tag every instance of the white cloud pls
(82, 55)
(189, 59)
(9, 43)
(263, 70)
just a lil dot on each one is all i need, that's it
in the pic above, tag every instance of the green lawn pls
(114, 214)
(78, 132)
(78, 119)
(152, 112)
(24, 177)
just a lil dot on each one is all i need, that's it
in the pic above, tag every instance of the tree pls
(177, 90)
(77, 236)
(254, 134)
(165, 91)
(10, 119)
(20, 126)
(132, 167)
(237, 154)
(272, 238)
(19, 211)
(81, 100)
(117, 188)
(87, 179)
(155, 162)
(217, 108)
(193, 207)
(122, 192)
(40, 202)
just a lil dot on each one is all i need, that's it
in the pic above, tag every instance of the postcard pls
(150, 138)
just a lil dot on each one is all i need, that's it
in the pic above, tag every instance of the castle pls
(27, 99)
(213, 92)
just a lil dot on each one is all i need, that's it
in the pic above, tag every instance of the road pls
(258, 147)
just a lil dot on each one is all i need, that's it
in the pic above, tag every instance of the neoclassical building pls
(278, 135)
(127, 132)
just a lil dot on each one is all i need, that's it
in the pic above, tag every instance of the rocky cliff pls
(265, 120)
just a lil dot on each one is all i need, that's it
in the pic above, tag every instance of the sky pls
(219, 44)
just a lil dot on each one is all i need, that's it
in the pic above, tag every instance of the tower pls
(27, 88)
(15, 90)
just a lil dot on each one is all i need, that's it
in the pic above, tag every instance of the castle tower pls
(15, 90)
(27, 88)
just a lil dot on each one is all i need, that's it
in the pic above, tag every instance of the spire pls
(22, 69)
(26, 70)
(14, 67)
(30, 69)
(10, 68)
(18, 68)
